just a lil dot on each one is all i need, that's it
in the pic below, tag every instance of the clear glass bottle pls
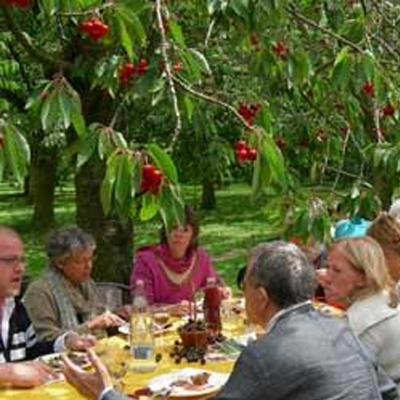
(142, 332)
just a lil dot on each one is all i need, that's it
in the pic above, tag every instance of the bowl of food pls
(193, 334)
(161, 318)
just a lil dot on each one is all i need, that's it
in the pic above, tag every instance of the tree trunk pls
(42, 183)
(208, 200)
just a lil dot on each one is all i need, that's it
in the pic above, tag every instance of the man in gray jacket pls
(304, 355)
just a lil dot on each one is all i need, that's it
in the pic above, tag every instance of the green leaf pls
(163, 161)
(275, 160)
(107, 187)
(176, 32)
(123, 185)
(368, 65)
(119, 140)
(341, 73)
(65, 107)
(149, 207)
(125, 38)
(239, 6)
(171, 207)
(354, 30)
(17, 152)
(201, 61)
(188, 107)
(78, 122)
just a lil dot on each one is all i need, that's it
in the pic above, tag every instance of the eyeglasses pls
(12, 261)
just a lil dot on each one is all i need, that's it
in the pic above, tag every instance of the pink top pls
(158, 288)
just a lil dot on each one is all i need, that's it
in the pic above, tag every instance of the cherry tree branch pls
(213, 100)
(168, 70)
(300, 17)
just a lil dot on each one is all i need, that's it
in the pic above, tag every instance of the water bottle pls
(142, 332)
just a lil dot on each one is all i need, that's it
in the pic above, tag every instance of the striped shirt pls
(18, 340)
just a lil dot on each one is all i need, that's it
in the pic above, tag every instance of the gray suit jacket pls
(306, 356)
(114, 395)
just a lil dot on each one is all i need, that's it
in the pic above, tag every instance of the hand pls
(105, 320)
(76, 342)
(226, 292)
(124, 312)
(25, 374)
(90, 384)
(179, 310)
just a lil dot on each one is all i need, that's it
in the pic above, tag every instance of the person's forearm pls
(5, 375)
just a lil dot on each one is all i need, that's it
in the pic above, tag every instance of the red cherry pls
(252, 154)
(280, 49)
(147, 171)
(388, 110)
(242, 155)
(177, 66)
(302, 143)
(368, 89)
(254, 39)
(126, 71)
(142, 67)
(280, 142)
(240, 144)
(94, 28)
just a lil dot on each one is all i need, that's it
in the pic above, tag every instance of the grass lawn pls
(227, 233)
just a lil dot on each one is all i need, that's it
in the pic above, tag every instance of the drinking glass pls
(116, 361)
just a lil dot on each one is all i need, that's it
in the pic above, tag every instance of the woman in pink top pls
(175, 269)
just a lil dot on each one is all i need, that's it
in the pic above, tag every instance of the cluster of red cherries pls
(17, 3)
(152, 179)
(249, 111)
(281, 50)
(94, 28)
(244, 152)
(129, 70)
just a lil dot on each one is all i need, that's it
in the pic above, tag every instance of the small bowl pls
(193, 338)
(161, 318)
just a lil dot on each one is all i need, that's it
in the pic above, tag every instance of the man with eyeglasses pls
(18, 342)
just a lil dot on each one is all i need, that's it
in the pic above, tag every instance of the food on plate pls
(161, 318)
(194, 382)
(54, 360)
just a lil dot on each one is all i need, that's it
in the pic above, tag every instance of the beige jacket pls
(44, 313)
(378, 327)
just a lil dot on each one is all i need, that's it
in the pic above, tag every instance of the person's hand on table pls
(124, 311)
(226, 292)
(27, 374)
(76, 342)
(105, 320)
(90, 383)
(180, 309)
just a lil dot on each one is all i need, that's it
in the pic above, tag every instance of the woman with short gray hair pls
(66, 297)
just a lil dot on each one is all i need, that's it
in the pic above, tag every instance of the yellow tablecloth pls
(131, 381)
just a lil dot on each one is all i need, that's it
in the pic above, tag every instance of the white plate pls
(54, 359)
(125, 329)
(215, 381)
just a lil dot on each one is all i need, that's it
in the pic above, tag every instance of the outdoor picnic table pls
(132, 380)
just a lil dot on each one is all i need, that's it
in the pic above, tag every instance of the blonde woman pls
(385, 229)
(358, 279)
